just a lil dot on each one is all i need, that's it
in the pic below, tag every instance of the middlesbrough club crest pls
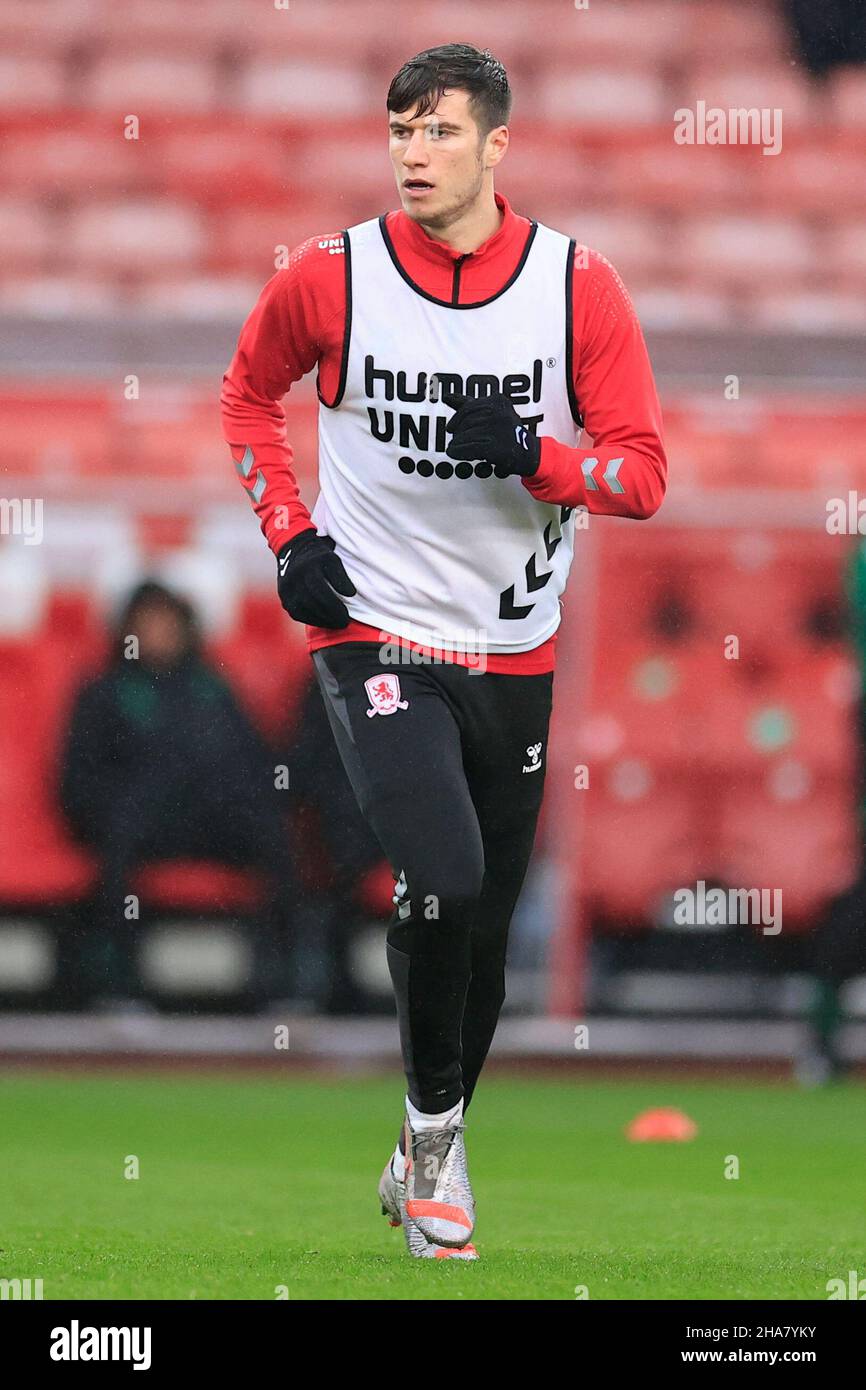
(383, 693)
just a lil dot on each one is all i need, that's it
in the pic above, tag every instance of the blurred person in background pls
(160, 762)
(830, 34)
(838, 945)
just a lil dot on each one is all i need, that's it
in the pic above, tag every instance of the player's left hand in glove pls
(308, 572)
(489, 428)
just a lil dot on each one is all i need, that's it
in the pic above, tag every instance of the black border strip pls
(569, 334)
(347, 329)
(446, 303)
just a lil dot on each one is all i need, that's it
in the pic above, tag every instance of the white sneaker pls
(392, 1196)
(439, 1197)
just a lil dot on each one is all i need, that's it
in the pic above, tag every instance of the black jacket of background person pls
(164, 756)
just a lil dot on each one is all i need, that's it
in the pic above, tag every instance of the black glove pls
(489, 428)
(308, 572)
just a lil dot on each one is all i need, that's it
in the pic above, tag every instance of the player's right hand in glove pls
(308, 572)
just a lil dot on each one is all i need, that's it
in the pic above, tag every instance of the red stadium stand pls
(142, 84)
(84, 158)
(600, 97)
(248, 238)
(26, 230)
(766, 85)
(194, 886)
(38, 865)
(643, 835)
(31, 83)
(136, 238)
(295, 87)
(742, 32)
(741, 251)
(801, 843)
(266, 662)
(848, 250)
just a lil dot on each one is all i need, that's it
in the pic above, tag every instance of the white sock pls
(425, 1124)
(398, 1164)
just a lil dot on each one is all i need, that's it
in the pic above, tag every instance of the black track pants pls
(450, 781)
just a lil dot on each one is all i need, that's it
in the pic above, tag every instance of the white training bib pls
(442, 553)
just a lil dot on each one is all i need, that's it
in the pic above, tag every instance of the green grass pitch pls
(251, 1182)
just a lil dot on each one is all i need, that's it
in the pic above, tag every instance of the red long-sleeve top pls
(298, 325)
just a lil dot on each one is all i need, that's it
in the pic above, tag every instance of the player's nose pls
(416, 151)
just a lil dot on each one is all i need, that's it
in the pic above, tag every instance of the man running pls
(460, 348)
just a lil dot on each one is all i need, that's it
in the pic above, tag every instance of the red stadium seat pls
(65, 430)
(697, 178)
(140, 84)
(803, 844)
(821, 311)
(198, 885)
(764, 86)
(743, 250)
(754, 715)
(581, 173)
(30, 82)
(41, 295)
(601, 97)
(329, 30)
(847, 251)
(186, 295)
(740, 30)
(806, 178)
(248, 238)
(638, 246)
(38, 864)
(630, 34)
(175, 430)
(294, 87)
(80, 158)
(642, 704)
(26, 231)
(135, 238)
(220, 163)
(824, 451)
(642, 836)
(50, 23)
(164, 26)
(662, 307)
(266, 662)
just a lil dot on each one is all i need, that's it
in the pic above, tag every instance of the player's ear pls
(496, 146)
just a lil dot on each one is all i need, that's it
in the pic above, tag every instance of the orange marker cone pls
(663, 1125)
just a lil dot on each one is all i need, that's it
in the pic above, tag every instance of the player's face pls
(440, 161)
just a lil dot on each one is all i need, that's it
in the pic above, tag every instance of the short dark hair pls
(423, 79)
